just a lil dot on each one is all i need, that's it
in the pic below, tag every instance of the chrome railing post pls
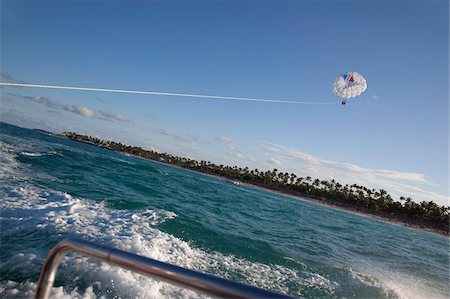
(185, 278)
(48, 272)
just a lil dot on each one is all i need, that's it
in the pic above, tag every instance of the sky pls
(394, 136)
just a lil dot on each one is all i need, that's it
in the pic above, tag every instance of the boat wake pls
(33, 214)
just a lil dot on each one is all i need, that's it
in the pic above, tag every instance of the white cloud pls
(398, 183)
(57, 105)
(178, 136)
(313, 163)
(236, 154)
(112, 116)
(42, 100)
(79, 110)
(6, 76)
(399, 189)
(275, 161)
(233, 147)
(20, 119)
(225, 140)
(398, 175)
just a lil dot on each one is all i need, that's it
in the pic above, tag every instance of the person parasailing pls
(349, 85)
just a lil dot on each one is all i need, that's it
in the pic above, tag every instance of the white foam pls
(12, 289)
(133, 231)
(122, 160)
(8, 163)
(401, 285)
(57, 214)
(31, 154)
(163, 172)
(11, 169)
(25, 207)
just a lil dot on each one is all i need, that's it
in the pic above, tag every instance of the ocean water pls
(52, 188)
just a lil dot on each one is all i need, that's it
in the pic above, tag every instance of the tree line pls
(426, 214)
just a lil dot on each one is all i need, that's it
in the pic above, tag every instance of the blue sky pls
(394, 136)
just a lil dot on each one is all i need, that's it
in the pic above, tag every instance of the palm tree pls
(358, 196)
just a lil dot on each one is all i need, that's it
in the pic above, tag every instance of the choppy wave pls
(48, 216)
(8, 163)
(32, 154)
(304, 256)
(52, 215)
(60, 214)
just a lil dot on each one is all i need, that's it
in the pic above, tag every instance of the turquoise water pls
(52, 188)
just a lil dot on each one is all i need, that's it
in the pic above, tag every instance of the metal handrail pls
(197, 281)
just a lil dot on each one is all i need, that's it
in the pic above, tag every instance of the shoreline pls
(323, 202)
(307, 199)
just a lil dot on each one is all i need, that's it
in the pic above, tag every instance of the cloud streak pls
(180, 137)
(83, 111)
(49, 103)
(314, 162)
(112, 116)
(76, 109)
(275, 161)
(20, 119)
(6, 76)
(233, 148)
(396, 182)
(57, 105)
(225, 140)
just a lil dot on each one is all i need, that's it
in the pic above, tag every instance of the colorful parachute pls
(349, 85)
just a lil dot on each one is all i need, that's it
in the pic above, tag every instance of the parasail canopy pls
(349, 85)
